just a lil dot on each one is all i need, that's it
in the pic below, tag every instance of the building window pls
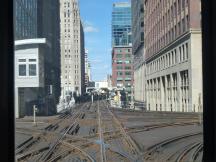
(119, 56)
(142, 36)
(127, 62)
(179, 6)
(127, 68)
(22, 60)
(119, 73)
(32, 60)
(119, 62)
(119, 67)
(187, 22)
(183, 53)
(32, 70)
(176, 61)
(183, 25)
(179, 28)
(180, 55)
(128, 56)
(22, 70)
(127, 73)
(183, 4)
(186, 46)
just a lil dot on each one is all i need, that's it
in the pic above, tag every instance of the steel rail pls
(197, 152)
(79, 149)
(154, 147)
(129, 140)
(46, 155)
(186, 151)
(102, 148)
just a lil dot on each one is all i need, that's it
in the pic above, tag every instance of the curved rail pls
(77, 148)
(159, 145)
(45, 156)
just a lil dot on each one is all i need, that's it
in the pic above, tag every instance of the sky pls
(96, 16)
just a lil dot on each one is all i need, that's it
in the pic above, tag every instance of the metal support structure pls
(34, 115)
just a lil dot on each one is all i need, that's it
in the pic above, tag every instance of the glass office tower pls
(121, 24)
(25, 13)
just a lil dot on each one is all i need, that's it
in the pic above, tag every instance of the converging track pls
(95, 132)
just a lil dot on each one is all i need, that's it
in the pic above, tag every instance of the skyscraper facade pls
(173, 55)
(72, 48)
(122, 66)
(25, 19)
(121, 24)
(87, 69)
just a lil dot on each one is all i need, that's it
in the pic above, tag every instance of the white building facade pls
(72, 51)
(28, 71)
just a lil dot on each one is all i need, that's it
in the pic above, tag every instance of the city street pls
(98, 132)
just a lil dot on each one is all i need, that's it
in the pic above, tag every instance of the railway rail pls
(174, 149)
(96, 132)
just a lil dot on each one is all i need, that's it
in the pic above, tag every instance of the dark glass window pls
(22, 70)
(32, 70)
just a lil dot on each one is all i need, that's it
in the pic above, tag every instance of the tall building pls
(138, 50)
(72, 49)
(37, 56)
(25, 19)
(122, 68)
(121, 24)
(87, 69)
(173, 55)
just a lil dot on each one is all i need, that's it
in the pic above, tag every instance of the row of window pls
(75, 83)
(121, 67)
(122, 50)
(161, 27)
(119, 73)
(126, 79)
(27, 67)
(69, 77)
(121, 55)
(68, 51)
(69, 56)
(169, 36)
(122, 62)
(178, 55)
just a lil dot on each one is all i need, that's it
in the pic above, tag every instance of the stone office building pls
(72, 49)
(173, 55)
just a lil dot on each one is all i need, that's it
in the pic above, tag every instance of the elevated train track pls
(105, 138)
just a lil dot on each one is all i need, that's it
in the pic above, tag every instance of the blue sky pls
(96, 18)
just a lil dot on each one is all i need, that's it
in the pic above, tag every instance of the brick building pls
(173, 55)
(122, 67)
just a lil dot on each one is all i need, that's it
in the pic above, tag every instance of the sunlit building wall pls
(138, 50)
(72, 49)
(173, 55)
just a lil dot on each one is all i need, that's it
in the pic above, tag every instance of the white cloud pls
(95, 61)
(89, 27)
